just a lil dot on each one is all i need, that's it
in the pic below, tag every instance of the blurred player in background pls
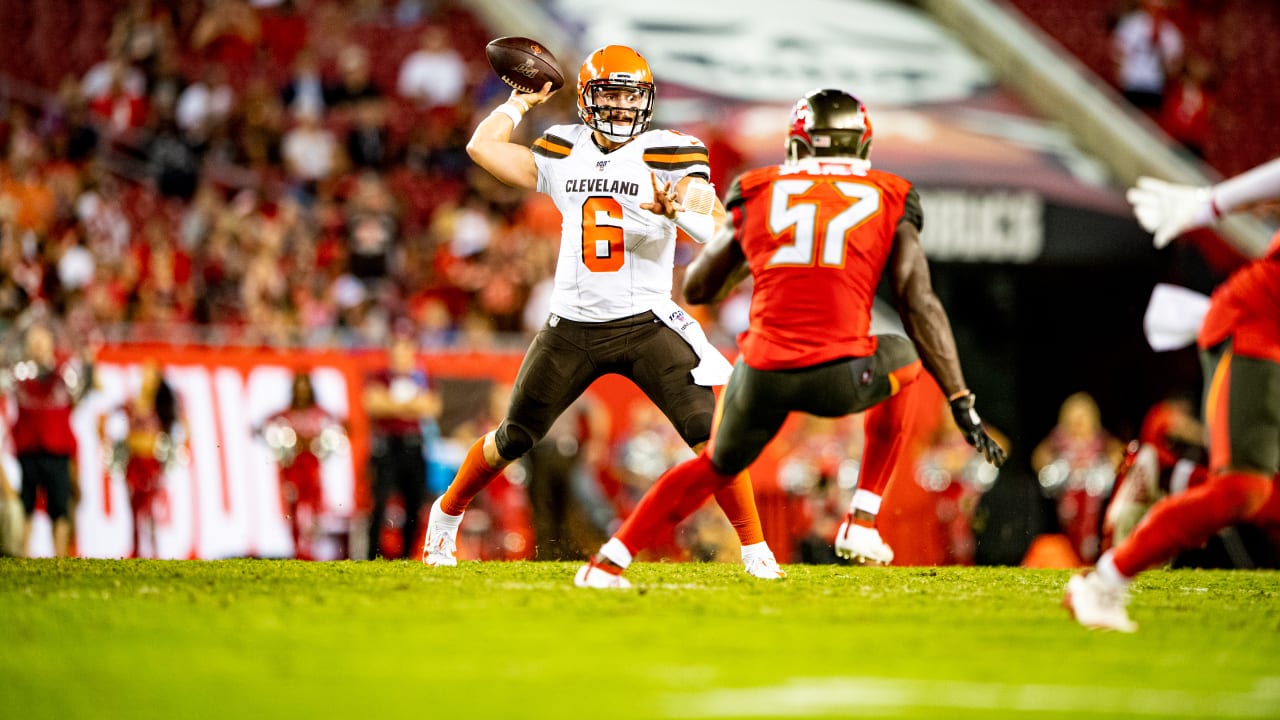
(399, 400)
(147, 448)
(816, 234)
(615, 182)
(302, 436)
(46, 390)
(1240, 352)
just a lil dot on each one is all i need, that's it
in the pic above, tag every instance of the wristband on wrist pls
(505, 109)
(524, 105)
(957, 395)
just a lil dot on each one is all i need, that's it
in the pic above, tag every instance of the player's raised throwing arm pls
(491, 147)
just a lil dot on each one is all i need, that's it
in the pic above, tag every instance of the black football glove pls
(971, 427)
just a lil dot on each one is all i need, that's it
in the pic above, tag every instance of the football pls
(524, 64)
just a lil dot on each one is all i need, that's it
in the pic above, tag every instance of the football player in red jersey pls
(1240, 353)
(815, 233)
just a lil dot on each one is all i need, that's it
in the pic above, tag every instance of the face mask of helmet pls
(619, 111)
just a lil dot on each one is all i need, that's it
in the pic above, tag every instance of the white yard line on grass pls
(807, 697)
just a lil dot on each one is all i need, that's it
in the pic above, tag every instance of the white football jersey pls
(615, 259)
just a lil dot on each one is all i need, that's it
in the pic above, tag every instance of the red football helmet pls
(615, 92)
(829, 123)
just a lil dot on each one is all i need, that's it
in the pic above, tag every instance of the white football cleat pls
(442, 539)
(862, 545)
(764, 567)
(1097, 604)
(591, 576)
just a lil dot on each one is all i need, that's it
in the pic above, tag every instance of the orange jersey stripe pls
(685, 157)
(560, 150)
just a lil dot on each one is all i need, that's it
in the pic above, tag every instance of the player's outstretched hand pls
(971, 427)
(532, 99)
(1169, 210)
(664, 200)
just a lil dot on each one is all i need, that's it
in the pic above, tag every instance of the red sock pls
(738, 501)
(1187, 520)
(885, 425)
(675, 496)
(474, 474)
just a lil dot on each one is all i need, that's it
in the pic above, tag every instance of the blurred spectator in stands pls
(79, 137)
(14, 297)
(142, 34)
(372, 227)
(25, 144)
(304, 92)
(26, 198)
(1147, 48)
(74, 264)
(45, 390)
(399, 400)
(1189, 103)
(1076, 464)
(368, 137)
(164, 291)
(438, 149)
(115, 69)
(261, 122)
(301, 436)
(227, 33)
(150, 444)
(284, 31)
(119, 107)
(434, 74)
(310, 152)
(355, 83)
(264, 289)
(204, 105)
(172, 163)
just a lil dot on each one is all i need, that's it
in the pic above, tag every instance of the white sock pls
(865, 501)
(616, 552)
(755, 550)
(1107, 570)
(438, 515)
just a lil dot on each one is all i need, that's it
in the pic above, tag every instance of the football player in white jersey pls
(622, 190)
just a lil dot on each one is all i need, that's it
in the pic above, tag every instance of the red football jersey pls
(1246, 308)
(817, 236)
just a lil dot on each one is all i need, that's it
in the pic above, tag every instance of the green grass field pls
(242, 639)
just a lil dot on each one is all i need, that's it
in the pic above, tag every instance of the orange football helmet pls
(615, 92)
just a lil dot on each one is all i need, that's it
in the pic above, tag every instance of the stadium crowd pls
(289, 173)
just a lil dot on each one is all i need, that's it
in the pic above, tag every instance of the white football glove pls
(1169, 210)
